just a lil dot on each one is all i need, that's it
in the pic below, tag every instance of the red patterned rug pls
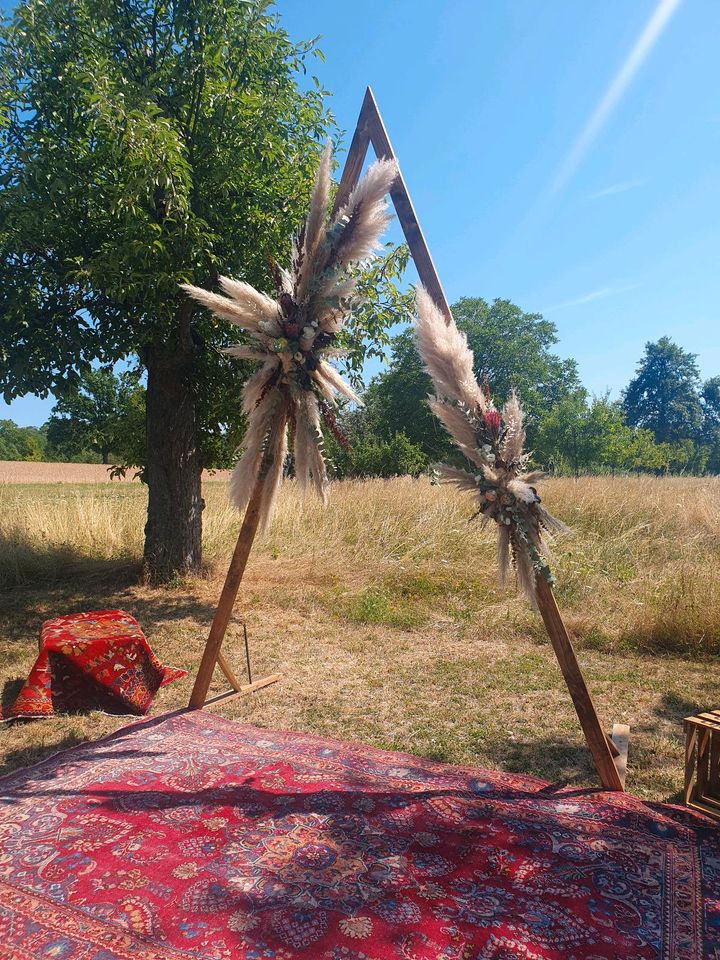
(189, 836)
(99, 660)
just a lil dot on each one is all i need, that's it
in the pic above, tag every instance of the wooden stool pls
(702, 762)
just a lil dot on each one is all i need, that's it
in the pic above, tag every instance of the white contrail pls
(599, 294)
(615, 188)
(621, 81)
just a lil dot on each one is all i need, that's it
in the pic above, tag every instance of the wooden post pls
(598, 743)
(370, 129)
(229, 593)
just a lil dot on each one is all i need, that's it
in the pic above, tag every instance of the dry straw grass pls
(639, 569)
(385, 616)
(31, 471)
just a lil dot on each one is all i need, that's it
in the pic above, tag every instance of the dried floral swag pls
(493, 441)
(295, 333)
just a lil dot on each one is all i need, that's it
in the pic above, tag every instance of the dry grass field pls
(30, 471)
(385, 618)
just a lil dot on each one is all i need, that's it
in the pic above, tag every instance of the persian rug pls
(91, 661)
(189, 836)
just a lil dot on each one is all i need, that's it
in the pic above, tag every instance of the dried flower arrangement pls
(294, 334)
(493, 441)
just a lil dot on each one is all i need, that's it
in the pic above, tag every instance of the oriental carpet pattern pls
(99, 660)
(189, 836)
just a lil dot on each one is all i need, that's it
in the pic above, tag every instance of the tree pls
(566, 437)
(578, 436)
(20, 443)
(142, 145)
(382, 458)
(664, 394)
(93, 416)
(512, 349)
(711, 422)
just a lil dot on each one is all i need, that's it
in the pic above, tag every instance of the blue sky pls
(564, 155)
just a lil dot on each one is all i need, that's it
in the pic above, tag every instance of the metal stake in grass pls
(247, 653)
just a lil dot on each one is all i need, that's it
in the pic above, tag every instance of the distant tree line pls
(667, 420)
(101, 419)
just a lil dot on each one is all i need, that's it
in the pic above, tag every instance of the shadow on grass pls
(27, 756)
(675, 708)
(23, 563)
(11, 688)
(41, 582)
(25, 609)
(565, 763)
(548, 758)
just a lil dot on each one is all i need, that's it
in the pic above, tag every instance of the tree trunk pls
(173, 532)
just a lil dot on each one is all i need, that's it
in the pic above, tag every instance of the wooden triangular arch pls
(370, 129)
(609, 753)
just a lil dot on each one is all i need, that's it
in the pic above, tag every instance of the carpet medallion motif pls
(188, 836)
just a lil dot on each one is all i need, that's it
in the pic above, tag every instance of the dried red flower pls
(492, 421)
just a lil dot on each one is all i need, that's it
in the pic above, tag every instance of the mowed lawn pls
(385, 618)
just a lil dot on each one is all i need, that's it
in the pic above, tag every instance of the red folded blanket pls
(92, 661)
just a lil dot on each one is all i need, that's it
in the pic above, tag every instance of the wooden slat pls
(247, 688)
(230, 588)
(584, 707)
(701, 770)
(705, 725)
(621, 740)
(691, 735)
(711, 718)
(228, 671)
(371, 129)
(714, 767)
(707, 805)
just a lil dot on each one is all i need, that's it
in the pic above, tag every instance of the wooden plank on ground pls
(621, 738)
(247, 688)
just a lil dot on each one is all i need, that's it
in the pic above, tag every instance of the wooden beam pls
(621, 740)
(230, 589)
(246, 688)
(370, 129)
(228, 671)
(560, 638)
(355, 159)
